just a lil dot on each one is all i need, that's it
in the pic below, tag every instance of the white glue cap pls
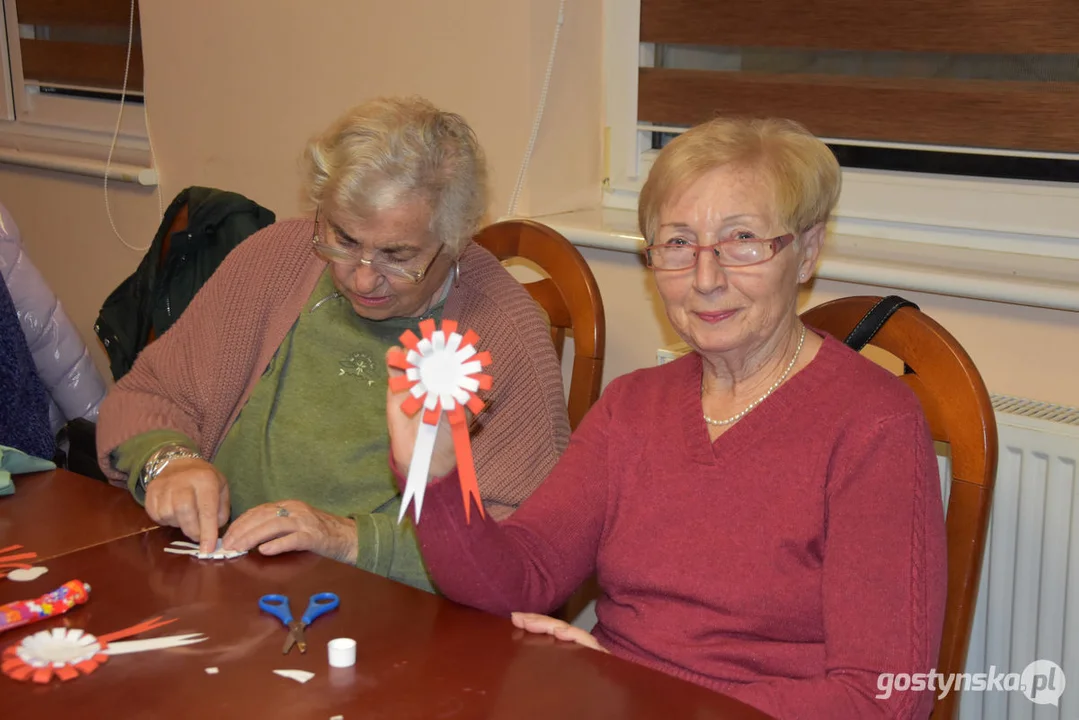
(342, 652)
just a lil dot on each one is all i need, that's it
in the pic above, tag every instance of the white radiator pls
(1028, 601)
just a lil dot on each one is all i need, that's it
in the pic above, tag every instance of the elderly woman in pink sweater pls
(265, 402)
(764, 514)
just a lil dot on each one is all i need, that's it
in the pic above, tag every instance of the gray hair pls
(390, 150)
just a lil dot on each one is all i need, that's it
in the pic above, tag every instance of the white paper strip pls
(123, 647)
(219, 553)
(418, 469)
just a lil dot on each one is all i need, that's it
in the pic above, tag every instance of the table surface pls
(57, 512)
(419, 656)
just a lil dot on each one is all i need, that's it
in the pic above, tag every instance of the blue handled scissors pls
(278, 606)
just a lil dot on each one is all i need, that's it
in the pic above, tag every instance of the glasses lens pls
(744, 252)
(397, 272)
(673, 257)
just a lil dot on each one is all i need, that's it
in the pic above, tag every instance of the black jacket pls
(162, 287)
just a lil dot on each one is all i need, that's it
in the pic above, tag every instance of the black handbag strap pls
(868, 326)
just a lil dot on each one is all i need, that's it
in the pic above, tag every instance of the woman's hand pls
(403, 430)
(192, 495)
(293, 525)
(545, 625)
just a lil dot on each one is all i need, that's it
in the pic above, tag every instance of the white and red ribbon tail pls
(418, 469)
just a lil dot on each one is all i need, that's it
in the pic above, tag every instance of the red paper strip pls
(470, 338)
(397, 359)
(66, 672)
(21, 673)
(466, 467)
(409, 339)
(88, 666)
(145, 626)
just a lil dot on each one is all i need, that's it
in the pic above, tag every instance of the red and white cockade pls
(443, 373)
(66, 653)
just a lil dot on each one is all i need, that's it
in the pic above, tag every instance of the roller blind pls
(998, 74)
(78, 44)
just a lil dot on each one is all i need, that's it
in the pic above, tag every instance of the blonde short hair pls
(390, 150)
(800, 169)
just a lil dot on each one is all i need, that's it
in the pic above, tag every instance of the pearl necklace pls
(771, 390)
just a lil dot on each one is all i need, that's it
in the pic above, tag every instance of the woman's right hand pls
(192, 495)
(403, 428)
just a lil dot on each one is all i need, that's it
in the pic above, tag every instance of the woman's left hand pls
(546, 625)
(291, 525)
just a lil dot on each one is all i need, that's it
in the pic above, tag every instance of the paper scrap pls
(27, 574)
(186, 548)
(300, 676)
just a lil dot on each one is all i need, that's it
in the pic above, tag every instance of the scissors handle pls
(276, 605)
(319, 605)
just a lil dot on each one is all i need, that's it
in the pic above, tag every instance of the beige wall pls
(235, 88)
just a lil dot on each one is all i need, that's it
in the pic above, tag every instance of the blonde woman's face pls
(719, 310)
(400, 235)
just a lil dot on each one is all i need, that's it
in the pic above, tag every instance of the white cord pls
(116, 132)
(153, 161)
(539, 113)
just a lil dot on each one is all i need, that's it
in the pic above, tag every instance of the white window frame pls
(1025, 217)
(65, 133)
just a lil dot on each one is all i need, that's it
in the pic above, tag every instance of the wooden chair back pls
(960, 413)
(569, 295)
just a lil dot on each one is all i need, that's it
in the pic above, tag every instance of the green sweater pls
(314, 429)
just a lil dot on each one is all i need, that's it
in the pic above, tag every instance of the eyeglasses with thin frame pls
(680, 254)
(341, 256)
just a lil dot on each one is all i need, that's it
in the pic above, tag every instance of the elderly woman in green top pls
(265, 403)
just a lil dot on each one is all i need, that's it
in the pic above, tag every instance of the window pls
(64, 71)
(953, 120)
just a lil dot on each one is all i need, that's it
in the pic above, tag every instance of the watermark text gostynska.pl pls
(1041, 682)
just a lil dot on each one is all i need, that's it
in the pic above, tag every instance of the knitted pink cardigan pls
(197, 376)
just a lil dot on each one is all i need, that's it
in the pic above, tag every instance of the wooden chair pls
(569, 296)
(960, 413)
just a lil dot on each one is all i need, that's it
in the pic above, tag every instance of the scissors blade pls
(295, 637)
(297, 634)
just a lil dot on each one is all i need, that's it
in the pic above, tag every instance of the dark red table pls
(419, 656)
(58, 512)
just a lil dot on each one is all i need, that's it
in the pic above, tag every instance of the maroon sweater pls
(786, 564)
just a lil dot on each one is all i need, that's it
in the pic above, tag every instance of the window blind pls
(974, 73)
